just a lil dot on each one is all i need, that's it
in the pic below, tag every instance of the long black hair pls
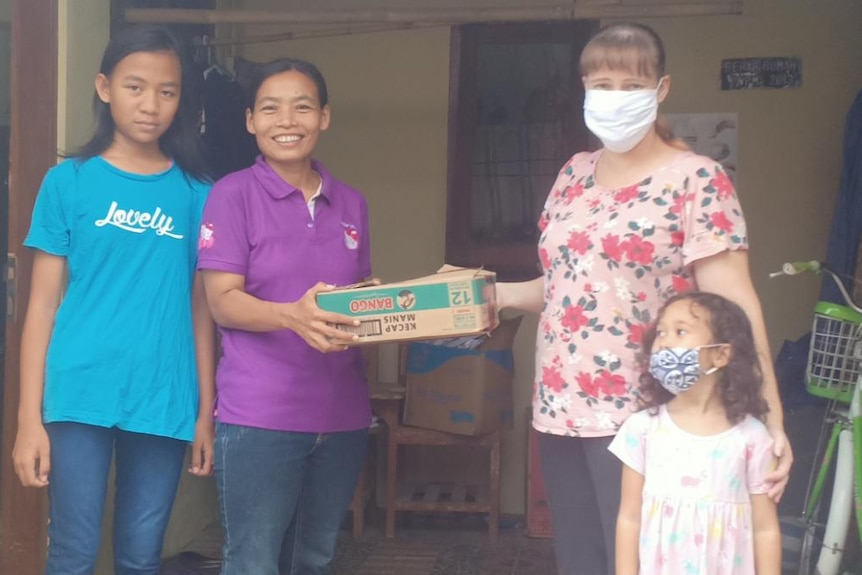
(181, 141)
(740, 382)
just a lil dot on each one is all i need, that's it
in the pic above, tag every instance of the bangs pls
(618, 58)
(629, 48)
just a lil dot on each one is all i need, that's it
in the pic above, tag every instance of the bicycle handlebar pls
(795, 268)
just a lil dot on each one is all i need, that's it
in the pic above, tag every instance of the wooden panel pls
(668, 8)
(459, 498)
(438, 16)
(432, 493)
(418, 436)
(715, 3)
(32, 151)
(459, 492)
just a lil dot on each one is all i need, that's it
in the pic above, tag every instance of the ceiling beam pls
(440, 16)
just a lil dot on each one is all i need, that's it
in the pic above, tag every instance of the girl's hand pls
(781, 474)
(202, 448)
(316, 326)
(32, 455)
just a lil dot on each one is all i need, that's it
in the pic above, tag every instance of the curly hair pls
(740, 382)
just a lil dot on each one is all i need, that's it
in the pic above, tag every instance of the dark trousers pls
(583, 481)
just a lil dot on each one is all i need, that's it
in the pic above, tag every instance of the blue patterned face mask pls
(677, 369)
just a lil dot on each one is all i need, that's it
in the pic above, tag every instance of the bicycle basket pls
(832, 365)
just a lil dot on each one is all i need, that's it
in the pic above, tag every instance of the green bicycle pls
(833, 372)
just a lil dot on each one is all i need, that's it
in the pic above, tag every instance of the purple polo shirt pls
(257, 225)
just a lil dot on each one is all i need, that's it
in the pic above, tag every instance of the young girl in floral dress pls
(695, 460)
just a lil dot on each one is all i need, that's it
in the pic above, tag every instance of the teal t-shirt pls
(122, 349)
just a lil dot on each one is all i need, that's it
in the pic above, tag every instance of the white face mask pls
(621, 118)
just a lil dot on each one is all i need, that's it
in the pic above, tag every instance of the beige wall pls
(789, 141)
(83, 34)
(389, 98)
(5, 10)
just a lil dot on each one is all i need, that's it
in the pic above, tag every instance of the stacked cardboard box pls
(464, 391)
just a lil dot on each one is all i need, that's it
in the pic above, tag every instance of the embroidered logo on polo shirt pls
(207, 236)
(351, 236)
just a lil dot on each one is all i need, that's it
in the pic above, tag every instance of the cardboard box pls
(453, 302)
(464, 391)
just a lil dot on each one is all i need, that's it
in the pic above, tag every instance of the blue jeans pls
(147, 470)
(283, 496)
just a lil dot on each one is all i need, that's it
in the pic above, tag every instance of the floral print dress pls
(610, 258)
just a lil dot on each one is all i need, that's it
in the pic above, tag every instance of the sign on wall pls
(748, 73)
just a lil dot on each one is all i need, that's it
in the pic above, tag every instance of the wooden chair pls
(364, 485)
(434, 497)
(365, 482)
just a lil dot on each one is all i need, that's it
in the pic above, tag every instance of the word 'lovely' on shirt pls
(138, 222)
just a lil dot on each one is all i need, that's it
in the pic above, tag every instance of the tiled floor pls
(435, 545)
(424, 545)
(453, 545)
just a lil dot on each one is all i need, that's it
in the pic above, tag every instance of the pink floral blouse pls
(610, 258)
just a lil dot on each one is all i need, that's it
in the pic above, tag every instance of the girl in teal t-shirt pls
(117, 354)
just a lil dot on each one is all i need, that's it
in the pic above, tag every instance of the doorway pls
(32, 149)
(5, 69)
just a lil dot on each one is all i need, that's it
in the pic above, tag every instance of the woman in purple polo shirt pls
(292, 418)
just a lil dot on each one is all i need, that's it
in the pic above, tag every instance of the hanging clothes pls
(227, 144)
(846, 230)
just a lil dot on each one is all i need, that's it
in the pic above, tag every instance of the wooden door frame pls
(32, 150)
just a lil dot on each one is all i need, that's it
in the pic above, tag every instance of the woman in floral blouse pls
(623, 229)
